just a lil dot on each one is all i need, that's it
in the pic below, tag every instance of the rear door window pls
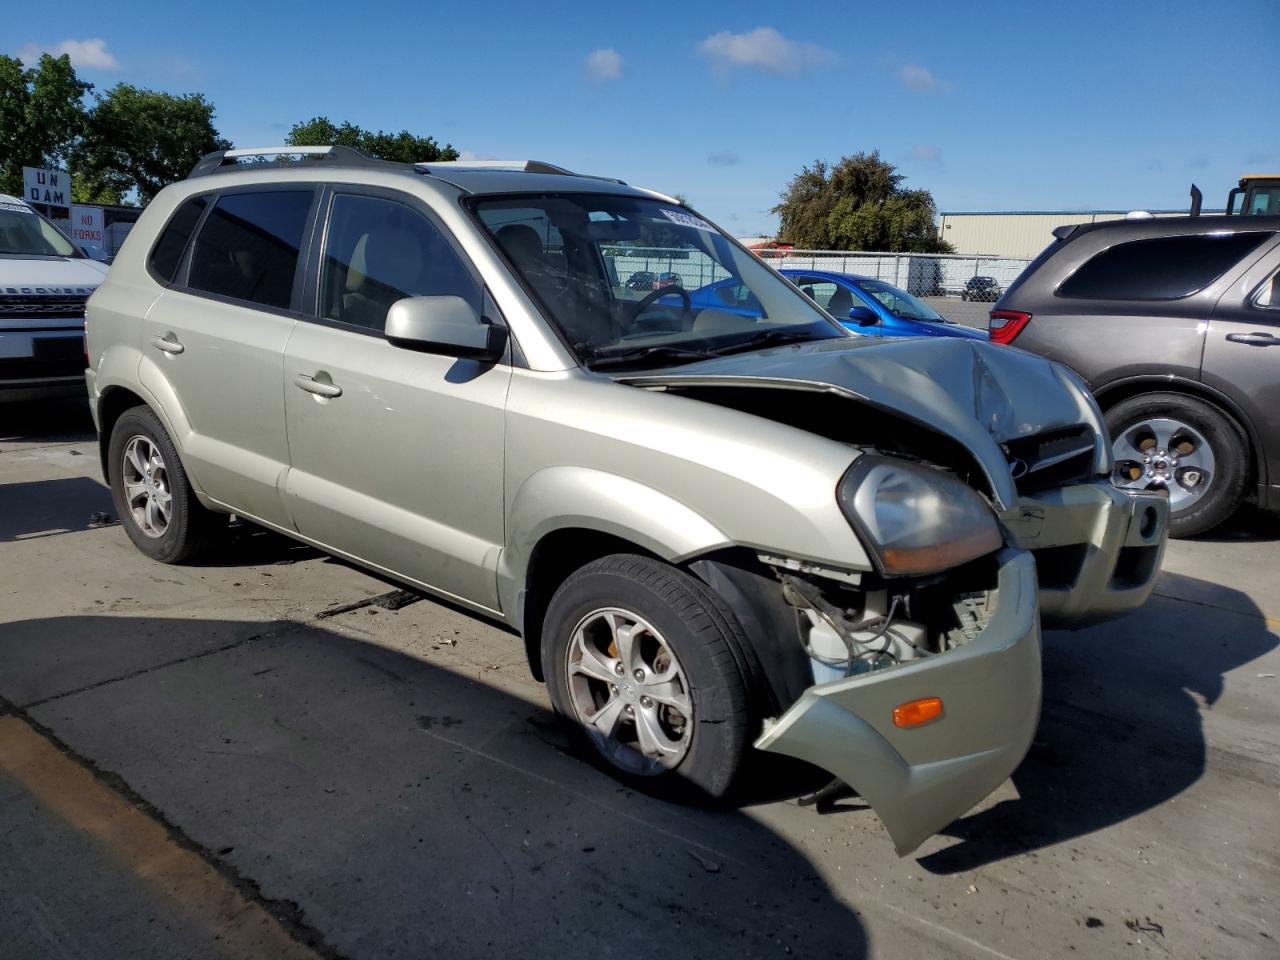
(1161, 268)
(169, 248)
(247, 248)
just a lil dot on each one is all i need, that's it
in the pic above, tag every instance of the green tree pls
(41, 115)
(857, 204)
(404, 146)
(143, 140)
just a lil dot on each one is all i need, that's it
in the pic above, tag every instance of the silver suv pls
(711, 529)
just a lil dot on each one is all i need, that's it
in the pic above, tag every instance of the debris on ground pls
(708, 865)
(393, 600)
(100, 519)
(1145, 925)
(1093, 922)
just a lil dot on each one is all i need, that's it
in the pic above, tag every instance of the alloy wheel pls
(1164, 454)
(629, 691)
(146, 486)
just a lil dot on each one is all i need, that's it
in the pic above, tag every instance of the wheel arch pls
(112, 403)
(1117, 392)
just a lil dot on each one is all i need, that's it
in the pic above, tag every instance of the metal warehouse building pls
(1019, 233)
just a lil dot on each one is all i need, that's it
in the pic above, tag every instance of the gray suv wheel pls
(1184, 447)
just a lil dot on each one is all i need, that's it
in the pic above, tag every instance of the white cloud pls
(926, 153)
(604, 64)
(85, 54)
(921, 79)
(723, 158)
(763, 48)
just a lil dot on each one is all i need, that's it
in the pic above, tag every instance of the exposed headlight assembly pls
(916, 520)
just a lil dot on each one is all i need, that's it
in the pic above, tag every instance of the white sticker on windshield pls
(16, 208)
(687, 220)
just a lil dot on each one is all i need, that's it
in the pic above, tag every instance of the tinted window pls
(379, 251)
(1164, 268)
(1269, 294)
(167, 253)
(248, 246)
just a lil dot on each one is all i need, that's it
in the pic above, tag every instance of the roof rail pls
(524, 166)
(223, 160)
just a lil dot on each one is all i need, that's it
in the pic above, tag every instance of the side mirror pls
(447, 325)
(864, 316)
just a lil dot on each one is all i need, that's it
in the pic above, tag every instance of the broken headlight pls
(914, 519)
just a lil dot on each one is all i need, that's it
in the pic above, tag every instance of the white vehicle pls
(45, 280)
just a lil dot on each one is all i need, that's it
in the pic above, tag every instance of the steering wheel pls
(686, 308)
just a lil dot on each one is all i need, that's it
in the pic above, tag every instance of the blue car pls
(864, 305)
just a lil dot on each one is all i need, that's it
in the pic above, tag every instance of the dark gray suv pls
(1170, 322)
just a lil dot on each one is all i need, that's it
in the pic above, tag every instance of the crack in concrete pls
(143, 671)
(287, 913)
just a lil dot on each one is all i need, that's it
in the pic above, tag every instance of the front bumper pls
(1098, 549)
(920, 779)
(41, 361)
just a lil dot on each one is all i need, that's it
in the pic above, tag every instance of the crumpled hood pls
(980, 394)
(49, 275)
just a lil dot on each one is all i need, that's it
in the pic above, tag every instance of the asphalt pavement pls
(244, 759)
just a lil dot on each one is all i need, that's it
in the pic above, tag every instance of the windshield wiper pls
(659, 352)
(768, 338)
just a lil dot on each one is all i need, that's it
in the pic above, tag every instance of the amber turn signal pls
(915, 712)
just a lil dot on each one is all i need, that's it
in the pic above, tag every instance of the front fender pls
(562, 497)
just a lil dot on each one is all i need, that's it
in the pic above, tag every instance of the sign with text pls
(87, 229)
(42, 185)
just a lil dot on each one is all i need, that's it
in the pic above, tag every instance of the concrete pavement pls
(251, 778)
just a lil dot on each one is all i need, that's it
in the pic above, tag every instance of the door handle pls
(318, 387)
(1255, 339)
(167, 345)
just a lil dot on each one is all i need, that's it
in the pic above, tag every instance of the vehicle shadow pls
(1121, 729)
(1249, 523)
(44, 508)
(46, 421)
(406, 808)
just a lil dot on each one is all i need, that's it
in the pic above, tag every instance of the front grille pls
(26, 306)
(1051, 459)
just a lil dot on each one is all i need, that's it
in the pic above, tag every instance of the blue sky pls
(998, 106)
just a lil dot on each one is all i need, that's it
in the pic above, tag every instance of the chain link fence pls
(979, 279)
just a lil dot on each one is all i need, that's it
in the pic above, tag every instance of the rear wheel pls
(1184, 447)
(152, 495)
(645, 659)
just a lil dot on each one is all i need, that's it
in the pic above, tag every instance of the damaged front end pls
(916, 678)
(927, 688)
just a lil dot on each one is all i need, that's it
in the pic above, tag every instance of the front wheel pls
(647, 661)
(1184, 447)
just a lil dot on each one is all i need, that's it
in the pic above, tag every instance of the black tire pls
(1226, 440)
(191, 528)
(705, 639)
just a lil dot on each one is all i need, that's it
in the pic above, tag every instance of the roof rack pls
(520, 166)
(224, 160)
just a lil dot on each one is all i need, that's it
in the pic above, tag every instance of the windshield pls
(638, 282)
(25, 232)
(899, 302)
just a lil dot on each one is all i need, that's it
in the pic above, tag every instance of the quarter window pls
(379, 251)
(167, 253)
(247, 248)
(1163, 268)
